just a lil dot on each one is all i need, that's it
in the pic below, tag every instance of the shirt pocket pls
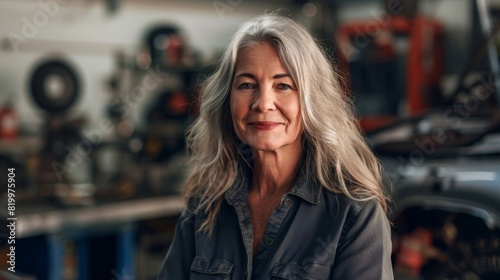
(294, 271)
(203, 268)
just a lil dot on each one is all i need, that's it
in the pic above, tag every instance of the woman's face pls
(264, 101)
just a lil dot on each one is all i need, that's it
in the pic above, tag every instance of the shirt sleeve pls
(181, 253)
(365, 249)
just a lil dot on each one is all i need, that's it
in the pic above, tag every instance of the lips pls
(265, 125)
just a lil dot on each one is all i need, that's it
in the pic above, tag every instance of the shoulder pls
(194, 209)
(190, 210)
(352, 209)
(338, 202)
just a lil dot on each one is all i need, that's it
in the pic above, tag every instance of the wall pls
(455, 15)
(87, 34)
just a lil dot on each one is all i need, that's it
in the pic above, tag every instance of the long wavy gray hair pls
(336, 154)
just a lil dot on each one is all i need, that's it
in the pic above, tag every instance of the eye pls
(284, 87)
(246, 86)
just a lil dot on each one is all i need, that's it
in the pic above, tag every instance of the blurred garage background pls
(95, 97)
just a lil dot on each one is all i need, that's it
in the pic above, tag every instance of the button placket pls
(271, 234)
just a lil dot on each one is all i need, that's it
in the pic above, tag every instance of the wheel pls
(54, 86)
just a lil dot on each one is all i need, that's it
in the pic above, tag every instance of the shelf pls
(21, 145)
(59, 220)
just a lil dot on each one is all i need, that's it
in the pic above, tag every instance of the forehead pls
(259, 55)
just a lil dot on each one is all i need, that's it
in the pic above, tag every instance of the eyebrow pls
(277, 76)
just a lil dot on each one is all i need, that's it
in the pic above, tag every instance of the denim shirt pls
(312, 234)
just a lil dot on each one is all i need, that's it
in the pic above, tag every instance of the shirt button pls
(288, 201)
(269, 241)
(201, 264)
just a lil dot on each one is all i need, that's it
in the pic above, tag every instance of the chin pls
(264, 147)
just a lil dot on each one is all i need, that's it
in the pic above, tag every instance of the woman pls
(284, 186)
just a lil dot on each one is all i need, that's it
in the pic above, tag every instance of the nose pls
(264, 99)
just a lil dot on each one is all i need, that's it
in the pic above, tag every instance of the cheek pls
(232, 106)
(294, 114)
(237, 115)
(297, 124)
(237, 109)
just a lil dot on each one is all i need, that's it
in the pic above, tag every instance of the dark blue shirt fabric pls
(312, 234)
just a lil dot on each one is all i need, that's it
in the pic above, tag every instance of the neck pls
(274, 171)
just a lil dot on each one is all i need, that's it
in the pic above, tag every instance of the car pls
(443, 171)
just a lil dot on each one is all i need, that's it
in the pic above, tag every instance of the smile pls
(265, 125)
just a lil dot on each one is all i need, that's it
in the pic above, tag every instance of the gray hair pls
(336, 154)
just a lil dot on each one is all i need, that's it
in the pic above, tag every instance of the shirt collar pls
(304, 188)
